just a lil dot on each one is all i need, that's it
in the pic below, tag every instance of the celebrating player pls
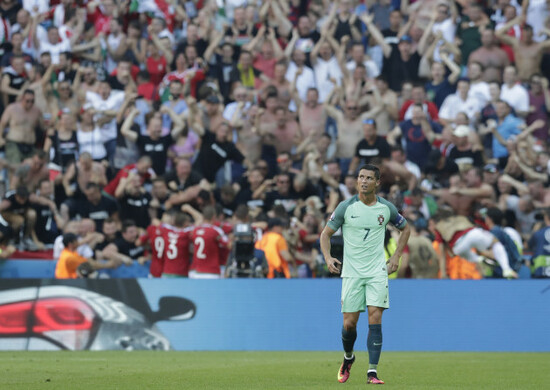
(364, 269)
(208, 240)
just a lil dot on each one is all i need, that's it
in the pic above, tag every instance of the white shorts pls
(198, 275)
(477, 238)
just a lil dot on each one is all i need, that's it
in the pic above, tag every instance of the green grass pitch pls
(268, 370)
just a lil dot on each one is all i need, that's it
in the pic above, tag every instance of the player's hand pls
(334, 265)
(392, 264)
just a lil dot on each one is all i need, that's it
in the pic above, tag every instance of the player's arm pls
(400, 224)
(333, 264)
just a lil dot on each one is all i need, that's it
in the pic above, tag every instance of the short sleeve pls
(396, 219)
(337, 218)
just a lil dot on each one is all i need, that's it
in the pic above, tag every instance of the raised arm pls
(501, 33)
(252, 46)
(290, 47)
(214, 43)
(453, 66)
(423, 44)
(284, 24)
(126, 129)
(375, 33)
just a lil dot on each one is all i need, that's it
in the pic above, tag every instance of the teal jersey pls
(363, 231)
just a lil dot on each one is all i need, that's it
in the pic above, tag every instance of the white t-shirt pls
(537, 12)
(480, 91)
(453, 104)
(113, 102)
(324, 70)
(447, 28)
(114, 43)
(92, 142)
(54, 50)
(517, 97)
(42, 6)
(305, 81)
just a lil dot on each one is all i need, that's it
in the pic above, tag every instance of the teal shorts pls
(358, 293)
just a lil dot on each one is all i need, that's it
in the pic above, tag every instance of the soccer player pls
(176, 252)
(364, 269)
(458, 234)
(154, 236)
(208, 240)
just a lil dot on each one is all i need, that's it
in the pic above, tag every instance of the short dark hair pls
(370, 167)
(128, 223)
(496, 215)
(22, 192)
(69, 238)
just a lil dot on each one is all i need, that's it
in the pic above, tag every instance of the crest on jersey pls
(381, 219)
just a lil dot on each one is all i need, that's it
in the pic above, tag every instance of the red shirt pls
(208, 240)
(101, 22)
(153, 235)
(156, 69)
(148, 90)
(176, 251)
(125, 172)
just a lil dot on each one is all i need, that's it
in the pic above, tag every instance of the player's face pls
(366, 181)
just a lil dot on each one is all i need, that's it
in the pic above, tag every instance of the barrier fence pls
(254, 314)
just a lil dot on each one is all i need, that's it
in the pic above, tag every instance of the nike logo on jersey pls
(355, 216)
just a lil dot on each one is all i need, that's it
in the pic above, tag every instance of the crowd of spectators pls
(120, 117)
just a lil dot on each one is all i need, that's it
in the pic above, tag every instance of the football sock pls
(374, 345)
(348, 340)
(501, 256)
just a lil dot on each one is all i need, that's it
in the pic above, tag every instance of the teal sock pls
(374, 345)
(348, 340)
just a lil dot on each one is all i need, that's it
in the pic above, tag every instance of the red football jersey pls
(176, 251)
(153, 235)
(208, 240)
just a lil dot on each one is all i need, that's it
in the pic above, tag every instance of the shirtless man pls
(475, 188)
(83, 171)
(31, 171)
(285, 134)
(22, 118)
(527, 52)
(461, 204)
(350, 127)
(490, 56)
(249, 142)
(312, 115)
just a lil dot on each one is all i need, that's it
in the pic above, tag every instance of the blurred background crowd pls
(148, 127)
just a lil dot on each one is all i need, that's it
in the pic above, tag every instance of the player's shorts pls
(358, 293)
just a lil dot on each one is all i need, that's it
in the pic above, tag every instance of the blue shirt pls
(178, 108)
(539, 243)
(507, 128)
(415, 143)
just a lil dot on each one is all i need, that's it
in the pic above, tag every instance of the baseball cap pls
(461, 131)
(491, 168)
(406, 38)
